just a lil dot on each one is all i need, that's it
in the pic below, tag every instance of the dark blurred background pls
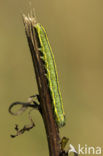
(75, 31)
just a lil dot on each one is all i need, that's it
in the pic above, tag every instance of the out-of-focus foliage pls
(75, 31)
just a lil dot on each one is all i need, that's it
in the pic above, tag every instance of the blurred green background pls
(75, 31)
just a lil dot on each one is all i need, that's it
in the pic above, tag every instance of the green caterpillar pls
(50, 66)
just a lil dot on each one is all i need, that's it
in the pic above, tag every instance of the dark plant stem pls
(52, 131)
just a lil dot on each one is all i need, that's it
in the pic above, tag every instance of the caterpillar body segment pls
(50, 66)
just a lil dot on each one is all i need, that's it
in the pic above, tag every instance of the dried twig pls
(52, 130)
(56, 146)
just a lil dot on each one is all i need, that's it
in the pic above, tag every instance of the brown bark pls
(52, 130)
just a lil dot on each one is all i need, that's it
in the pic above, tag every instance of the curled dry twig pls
(24, 106)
